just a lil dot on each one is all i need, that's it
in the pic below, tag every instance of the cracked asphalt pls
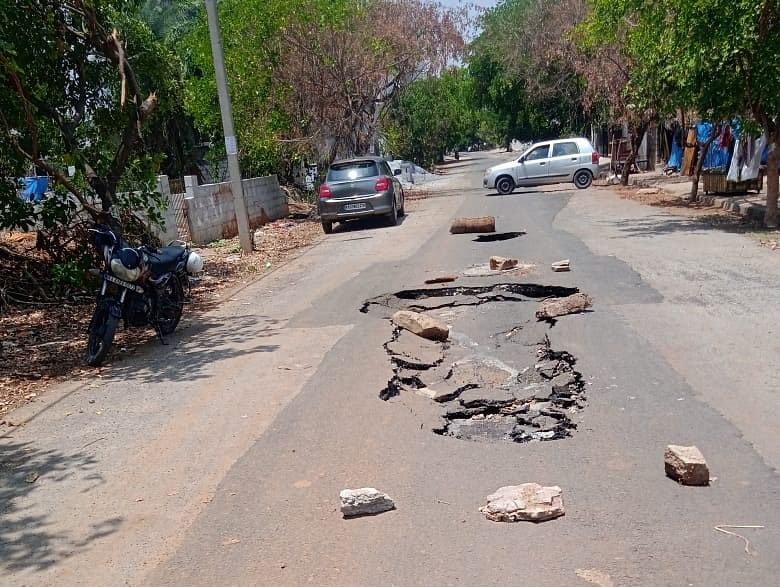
(219, 460)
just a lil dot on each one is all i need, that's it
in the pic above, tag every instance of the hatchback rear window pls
(352, 170)
(561, 149)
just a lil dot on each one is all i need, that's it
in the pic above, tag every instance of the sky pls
(485, 3)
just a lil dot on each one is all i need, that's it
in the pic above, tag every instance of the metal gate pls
(178, 193)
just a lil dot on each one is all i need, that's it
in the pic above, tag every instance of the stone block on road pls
(686, 465)
(502, 263)
(527, 502)
(421, 325)
(364, 502)
(555, 307)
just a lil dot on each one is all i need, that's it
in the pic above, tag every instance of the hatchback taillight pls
(382, 184)
(594, 157)
(325, 191)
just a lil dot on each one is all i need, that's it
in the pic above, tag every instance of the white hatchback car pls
(559, 161)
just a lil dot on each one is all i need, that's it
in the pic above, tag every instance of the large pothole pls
(492, 381)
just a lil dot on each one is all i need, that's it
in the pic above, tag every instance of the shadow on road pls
(530, 191)
(663, 224)
(26, 542)
(368, 223)
(194, 349)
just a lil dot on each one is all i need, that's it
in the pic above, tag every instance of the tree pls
(522, 64)
(717, 57)
(310, 78)
(619, 70)
(431, 116)
(80, 92)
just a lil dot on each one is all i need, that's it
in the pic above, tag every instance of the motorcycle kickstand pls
(158, 330)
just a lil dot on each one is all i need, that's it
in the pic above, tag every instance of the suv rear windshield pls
(352, 170)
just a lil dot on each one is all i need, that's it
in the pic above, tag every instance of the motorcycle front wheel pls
(101, 333)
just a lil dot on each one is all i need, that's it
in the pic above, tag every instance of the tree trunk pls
(636, 142)
(470, 225)
(772, 181)
(703, 150)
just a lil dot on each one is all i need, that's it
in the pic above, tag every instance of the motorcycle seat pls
(164, 259)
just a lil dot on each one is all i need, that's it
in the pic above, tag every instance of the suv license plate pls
(351, 207)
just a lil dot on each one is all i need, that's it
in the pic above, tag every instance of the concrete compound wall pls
(170, 232)
(211, 214)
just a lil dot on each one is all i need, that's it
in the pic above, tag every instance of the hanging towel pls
(753, 159)
(736, 164)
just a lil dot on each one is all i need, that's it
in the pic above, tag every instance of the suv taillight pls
(382, 184)
(325, 191)
(594, 157)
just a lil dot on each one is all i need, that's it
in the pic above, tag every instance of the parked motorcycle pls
(143, 286)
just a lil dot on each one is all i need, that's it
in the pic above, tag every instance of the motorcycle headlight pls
(122, 272)
(194, 263)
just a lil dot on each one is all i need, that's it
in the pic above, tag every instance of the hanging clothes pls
(735, 169)
(752, 161)
(676, 150)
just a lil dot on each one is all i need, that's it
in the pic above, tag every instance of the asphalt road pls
(219, 460)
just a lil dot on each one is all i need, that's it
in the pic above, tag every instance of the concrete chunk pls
(364, 502)
(502, 263)
(555, 307)
(421, 325)
(527, 502)
(686, 465)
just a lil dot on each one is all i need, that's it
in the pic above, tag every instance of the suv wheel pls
(327, 226)
(583, 179)
(505, 185)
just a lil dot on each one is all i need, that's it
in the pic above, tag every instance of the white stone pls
(527, 502)
(364, 502)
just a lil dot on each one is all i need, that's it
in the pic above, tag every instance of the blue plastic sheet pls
(716, 157)
(675, 156)
(35, 188)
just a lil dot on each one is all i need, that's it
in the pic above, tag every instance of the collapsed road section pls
(486, 382)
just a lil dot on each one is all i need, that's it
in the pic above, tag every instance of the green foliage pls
(251, 36)
(431, 116)
(506, 81)
(62, 105)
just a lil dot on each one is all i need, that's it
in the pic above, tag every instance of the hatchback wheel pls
(583, 179)
(505, 185)
(392, 217)
(327, 226)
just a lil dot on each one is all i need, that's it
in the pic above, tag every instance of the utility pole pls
(231, 146)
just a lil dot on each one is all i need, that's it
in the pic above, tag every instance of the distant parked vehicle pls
(559, 161)
(360, 187)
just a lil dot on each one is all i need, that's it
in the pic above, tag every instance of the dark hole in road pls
(477, 396)
(498, 236)
(465, 296)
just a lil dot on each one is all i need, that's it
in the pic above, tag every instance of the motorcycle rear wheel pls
(170, 305)
(101, 333)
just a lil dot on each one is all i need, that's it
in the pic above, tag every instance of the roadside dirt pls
(671, 200)
(41, 345)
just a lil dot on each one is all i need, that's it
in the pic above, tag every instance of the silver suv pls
(559, 161)
(355, 188)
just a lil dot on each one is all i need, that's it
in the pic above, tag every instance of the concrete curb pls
(741, 205)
